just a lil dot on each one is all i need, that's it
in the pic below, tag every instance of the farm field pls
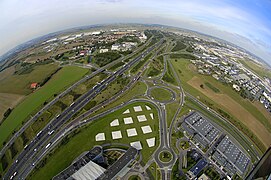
(8, 100)
(7, 72)
(62, 79)
(20, 83)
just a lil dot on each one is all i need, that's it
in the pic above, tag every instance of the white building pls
(103, 50)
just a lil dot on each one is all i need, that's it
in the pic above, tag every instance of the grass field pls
(20, 84)
(169, 77)
(64, 78)
(156, 66)
(262, 109)
(186, 72)
(84, 139)
(161, 94)
(171, 109)
(7, 72)
(179, 46)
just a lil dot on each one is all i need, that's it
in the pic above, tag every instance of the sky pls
(246, 23)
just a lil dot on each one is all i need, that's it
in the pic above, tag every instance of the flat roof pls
(233, 154)
(202, 126)
(90, 171)
(198, 167)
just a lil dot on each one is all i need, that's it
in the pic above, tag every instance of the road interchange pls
(42, 137)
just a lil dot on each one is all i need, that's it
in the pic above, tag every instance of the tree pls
(7, 113)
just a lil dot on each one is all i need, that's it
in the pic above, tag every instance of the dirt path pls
(236, 110)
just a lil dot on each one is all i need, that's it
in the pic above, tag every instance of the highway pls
(48, 105)
(78, 122)
(56, 124)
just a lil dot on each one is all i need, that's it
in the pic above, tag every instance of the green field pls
(179, 46)
(161, 94)
(64, 78)
(20, 83)
(169, 77)
(84, 139)
(155, 68)
(171, 109)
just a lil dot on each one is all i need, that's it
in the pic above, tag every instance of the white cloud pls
(22, 20)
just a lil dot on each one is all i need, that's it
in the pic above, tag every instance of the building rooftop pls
(90, 171)
(121, 163)
(198, 167)
(202, 126)
(233, 154)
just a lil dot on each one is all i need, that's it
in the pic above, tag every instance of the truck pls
(49, 144)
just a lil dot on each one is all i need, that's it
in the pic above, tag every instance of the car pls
(35, 149)
(51, 132)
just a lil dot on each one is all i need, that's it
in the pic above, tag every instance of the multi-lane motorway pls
(20, 166)
(48, 105)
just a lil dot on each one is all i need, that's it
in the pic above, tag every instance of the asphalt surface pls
(76, 123)
(25, 164)
(48, 105)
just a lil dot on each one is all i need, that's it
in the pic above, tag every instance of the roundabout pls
(161, 94)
